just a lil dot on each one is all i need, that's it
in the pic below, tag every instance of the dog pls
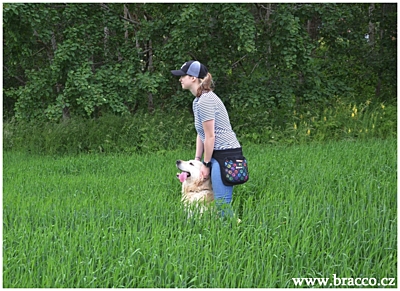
(196, 191)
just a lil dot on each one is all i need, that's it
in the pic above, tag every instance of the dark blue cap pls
(192, 68)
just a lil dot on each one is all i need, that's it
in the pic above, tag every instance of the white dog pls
(196, 191)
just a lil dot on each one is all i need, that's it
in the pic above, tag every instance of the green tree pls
(64, 60)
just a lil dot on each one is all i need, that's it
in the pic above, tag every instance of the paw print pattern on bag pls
(236, 170)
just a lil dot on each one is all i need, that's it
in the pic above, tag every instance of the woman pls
(214, 131)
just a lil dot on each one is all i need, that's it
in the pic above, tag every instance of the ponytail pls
(206, 85)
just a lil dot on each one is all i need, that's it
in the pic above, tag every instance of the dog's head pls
(190, 170)
(194, 186)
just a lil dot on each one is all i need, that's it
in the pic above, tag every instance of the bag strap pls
(227, 152)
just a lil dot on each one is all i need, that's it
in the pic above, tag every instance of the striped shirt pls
(207, 107)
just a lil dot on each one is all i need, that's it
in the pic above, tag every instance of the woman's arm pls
(208, 127)
(209, 142)
(199, 148)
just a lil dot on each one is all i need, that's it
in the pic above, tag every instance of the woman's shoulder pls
(210, 95)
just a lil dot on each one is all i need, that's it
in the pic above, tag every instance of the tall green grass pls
(117, 221)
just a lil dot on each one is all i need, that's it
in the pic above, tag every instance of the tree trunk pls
(371, 25)
(65, 110)
(127, 15)
(150, 69)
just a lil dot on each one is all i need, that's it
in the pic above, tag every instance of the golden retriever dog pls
(196, 191)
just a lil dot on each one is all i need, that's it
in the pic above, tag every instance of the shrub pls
(161, 131)
(338, 121)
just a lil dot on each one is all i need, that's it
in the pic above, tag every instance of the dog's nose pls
(178, 162)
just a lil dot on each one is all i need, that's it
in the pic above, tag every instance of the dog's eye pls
(191, 164)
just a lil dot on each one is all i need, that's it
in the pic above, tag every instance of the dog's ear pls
(194, 186)
(201, 182)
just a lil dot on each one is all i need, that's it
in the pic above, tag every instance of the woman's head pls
(195, 77)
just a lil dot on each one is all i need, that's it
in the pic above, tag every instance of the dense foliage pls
(64, 60)
(159, 132)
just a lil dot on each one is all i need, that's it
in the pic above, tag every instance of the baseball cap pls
(192, 68)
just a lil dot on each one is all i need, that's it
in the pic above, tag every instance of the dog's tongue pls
(182, 177)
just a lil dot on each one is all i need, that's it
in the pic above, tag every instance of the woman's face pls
(186, 82)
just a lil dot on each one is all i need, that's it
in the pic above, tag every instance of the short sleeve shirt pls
(207, 107)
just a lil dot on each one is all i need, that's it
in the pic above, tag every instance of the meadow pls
(115, 220)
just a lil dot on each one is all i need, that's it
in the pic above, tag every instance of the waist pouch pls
(233, 165)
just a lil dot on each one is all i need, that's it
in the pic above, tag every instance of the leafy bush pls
(338, 121)
(69, 60)
(161, 131)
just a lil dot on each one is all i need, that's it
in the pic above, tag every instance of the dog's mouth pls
(183, 176)
(187, 174)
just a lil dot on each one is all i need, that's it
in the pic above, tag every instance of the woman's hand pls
(205, 172)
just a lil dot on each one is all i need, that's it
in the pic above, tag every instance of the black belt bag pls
(233, 165)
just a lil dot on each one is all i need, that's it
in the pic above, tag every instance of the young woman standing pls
(214, 131)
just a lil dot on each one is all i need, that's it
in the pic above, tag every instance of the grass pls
(116, 220)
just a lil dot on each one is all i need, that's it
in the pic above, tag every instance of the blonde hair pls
(206, 85)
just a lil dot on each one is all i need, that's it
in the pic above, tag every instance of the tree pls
(65, 60)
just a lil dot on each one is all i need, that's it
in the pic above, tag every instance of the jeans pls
(222, 193)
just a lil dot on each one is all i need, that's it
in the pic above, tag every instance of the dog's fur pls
(196, 191)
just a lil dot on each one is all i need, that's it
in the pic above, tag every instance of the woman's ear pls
(193, 79)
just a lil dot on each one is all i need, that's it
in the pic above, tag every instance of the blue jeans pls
(222, 193)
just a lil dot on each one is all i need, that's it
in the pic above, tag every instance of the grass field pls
(116, 220)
